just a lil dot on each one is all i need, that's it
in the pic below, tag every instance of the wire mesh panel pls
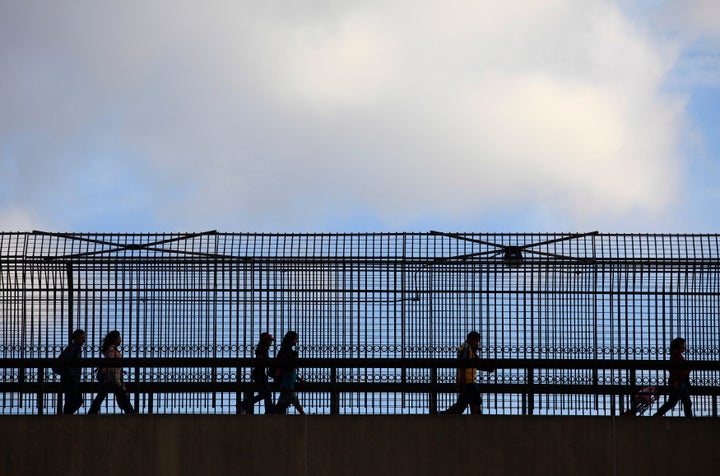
(391, 295)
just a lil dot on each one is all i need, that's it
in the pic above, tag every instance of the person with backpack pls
(70, 376)
(468, 388)
(113, 381)
(288, 355)
(260, 377)
(679, 381)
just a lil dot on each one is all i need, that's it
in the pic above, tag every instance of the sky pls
(347, 116)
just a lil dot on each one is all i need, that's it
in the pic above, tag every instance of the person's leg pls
(687, 406)
(99, 398)
(685, 397)
(267, 399)
(73, 400)
(455, 409)
(475, 399)
(255, 399)
(68, 387)
(244, 405)
(458, 408)
(263, 394)
(296, 403)
(283, 403)
(248, 403)
(68, 406)
(266, 395)
(123, 401)
(670, 403)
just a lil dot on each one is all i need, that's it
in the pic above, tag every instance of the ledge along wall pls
(349, 445)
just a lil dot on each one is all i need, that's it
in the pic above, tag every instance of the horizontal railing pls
(34, 377)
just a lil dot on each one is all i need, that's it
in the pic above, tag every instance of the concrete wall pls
(365, 445)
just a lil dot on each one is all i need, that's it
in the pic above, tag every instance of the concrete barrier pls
(356, 445)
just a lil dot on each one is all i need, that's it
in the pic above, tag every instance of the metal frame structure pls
(610, 301)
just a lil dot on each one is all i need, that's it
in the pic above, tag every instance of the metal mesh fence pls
(389, 295)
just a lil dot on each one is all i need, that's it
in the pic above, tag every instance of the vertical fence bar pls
(138, 386)
(531, 395)
(40, 394)
(334, 395)
(433, 392)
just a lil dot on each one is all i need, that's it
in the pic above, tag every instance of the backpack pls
(57, 370)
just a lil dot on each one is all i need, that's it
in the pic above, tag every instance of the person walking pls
(70, 376)
(468, 388)
(679, 380)
(260, 377)
(113, 377)
(288, 355)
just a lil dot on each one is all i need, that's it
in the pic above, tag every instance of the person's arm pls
(486, 367)
(295, 356)
(114, 373)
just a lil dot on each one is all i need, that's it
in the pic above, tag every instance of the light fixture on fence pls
(512, 256)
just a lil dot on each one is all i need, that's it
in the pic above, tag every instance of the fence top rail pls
(437, 246)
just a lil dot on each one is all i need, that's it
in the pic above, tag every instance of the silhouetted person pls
(260, 377)
(70, 376)
(113, 377)
(288, 354)
(679, 380)
(468, 387)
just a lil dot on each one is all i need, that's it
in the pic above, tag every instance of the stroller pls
(642, 400)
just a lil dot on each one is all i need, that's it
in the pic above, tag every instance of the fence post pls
(433, 391)
(70, 299)
(238, 393)
(530, 395)
(632, 383)
(137, 389)
(41, 381)
(334, 395)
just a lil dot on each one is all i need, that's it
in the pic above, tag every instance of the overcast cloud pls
(530, 115)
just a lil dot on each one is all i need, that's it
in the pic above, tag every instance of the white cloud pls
(695, 18)
(693, 27)
(265, 115)
(17, 219)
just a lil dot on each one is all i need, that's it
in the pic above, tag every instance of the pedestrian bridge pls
(356, 445)
(574, 325)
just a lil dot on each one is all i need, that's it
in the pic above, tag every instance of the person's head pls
(677, 344)
(112, 338)
(473, 339)
(78, 336)
(291, 339)
(266, 339)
